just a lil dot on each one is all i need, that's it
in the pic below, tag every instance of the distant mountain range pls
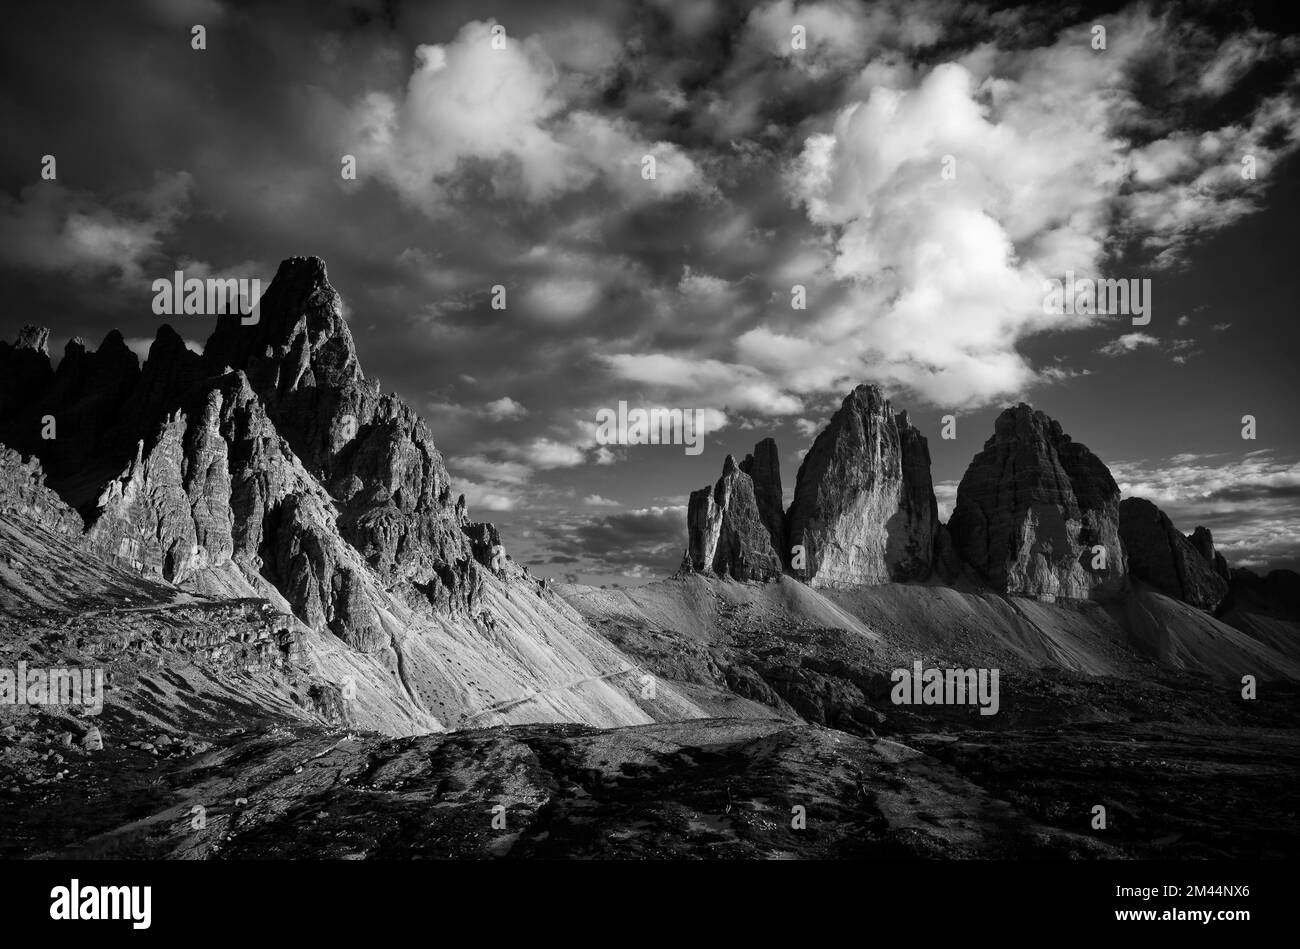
(270, 468)
(1037, 514)
(262, 550)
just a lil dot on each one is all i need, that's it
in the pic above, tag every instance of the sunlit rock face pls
(864, 509)
(1037, 513)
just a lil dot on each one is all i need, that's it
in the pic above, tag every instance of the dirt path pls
(514, 703)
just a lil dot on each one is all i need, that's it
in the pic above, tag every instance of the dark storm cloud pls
(643, 543)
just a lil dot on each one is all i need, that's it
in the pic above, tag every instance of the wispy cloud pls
(1249, 502)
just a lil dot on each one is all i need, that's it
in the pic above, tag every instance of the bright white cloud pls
(1128, 343)
(807, 428)
(487, 497)
(505, 409)
(466, 100)
(945, 274)
(945, 495)
(497, 472)
(544, 453)
(52, 228)
(705, 382)
(561, 299)
(838, 34)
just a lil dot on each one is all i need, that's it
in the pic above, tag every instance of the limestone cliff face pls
(725, 530)
(23, 492)
(864, 509)
(82, 400)
(764, 468)
(218, 486)
(270, 454)
(374, 455)
(1161, 556)
(271, 468)
(1031, 509)
(1203, 541)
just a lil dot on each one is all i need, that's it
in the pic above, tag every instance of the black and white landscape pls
(678, 429)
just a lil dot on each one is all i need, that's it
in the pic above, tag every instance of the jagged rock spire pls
(1159, 555)
(1032, 509)
(864, 509)
(764, 467)
(726, 533)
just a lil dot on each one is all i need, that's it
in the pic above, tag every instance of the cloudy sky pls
(920, 168)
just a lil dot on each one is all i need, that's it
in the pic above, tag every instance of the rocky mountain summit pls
(1037, 513)
(864, 508)
(1186, 568)
(728, 533)
(269, 454)
(863, 512)
(271, 468)
(23, 493)
(304, 631)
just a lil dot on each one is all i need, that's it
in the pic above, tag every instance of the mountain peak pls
(34, 338)
(300, 327)
(1178, 566)
(114, 344)
(166, 343)
(726, 532)
(864, 508)
(868, 394)
(1034, 506)
(308, 269)
(1022, 421)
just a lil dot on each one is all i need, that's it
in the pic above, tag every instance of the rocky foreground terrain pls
(311, 649)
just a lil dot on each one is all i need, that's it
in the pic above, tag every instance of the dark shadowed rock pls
(25, 374)
(948, 565)
(764, 469)
(81, 402)
(23, 492)
(1276, 595)
(1031, 508)
(726, 534)
(1203, 541)
(864, 508)
(168, 374)
(485, 541)
(373, 453)
(1161, 556)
